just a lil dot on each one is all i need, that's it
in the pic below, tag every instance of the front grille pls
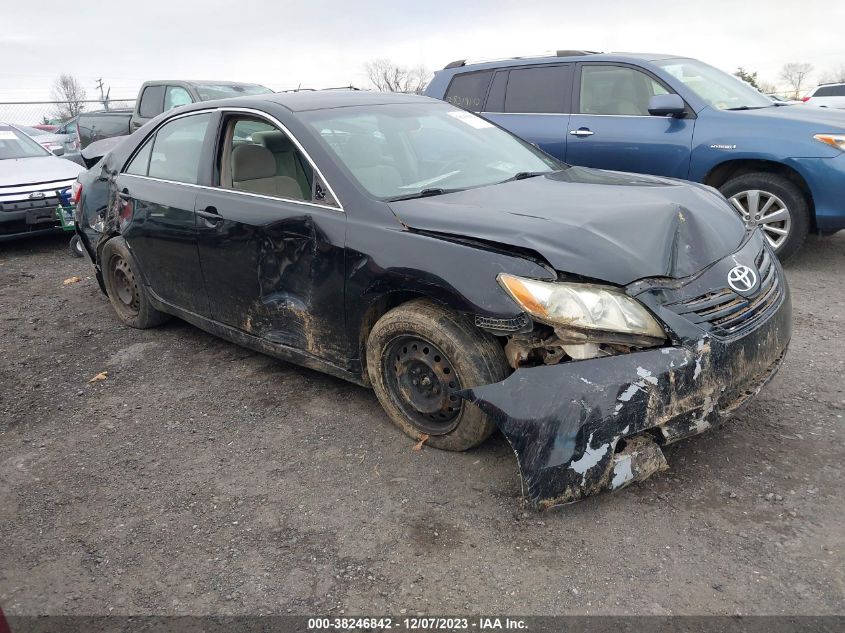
(725, 313)
(51, 201)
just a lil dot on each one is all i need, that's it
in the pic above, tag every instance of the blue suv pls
(781, 166)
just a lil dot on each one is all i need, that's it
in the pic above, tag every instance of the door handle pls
(582, 131)
(210, 215)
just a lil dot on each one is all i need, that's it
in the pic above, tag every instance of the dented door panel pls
(275, 269)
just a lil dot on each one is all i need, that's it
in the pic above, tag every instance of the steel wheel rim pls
(766, 210)
(126, 290)
(77, 246)
(422, 382)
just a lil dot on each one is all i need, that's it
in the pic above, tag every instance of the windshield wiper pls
(522, 175)
(745, 107)
(425, 193)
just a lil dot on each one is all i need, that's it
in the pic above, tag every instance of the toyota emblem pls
(742, 279)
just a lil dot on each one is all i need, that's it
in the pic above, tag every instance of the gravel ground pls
(202, 478)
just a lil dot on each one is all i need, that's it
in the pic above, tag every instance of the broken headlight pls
(583, 306)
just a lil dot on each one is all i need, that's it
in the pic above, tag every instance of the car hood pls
(27, 171)
(820, 119)
(609, 226)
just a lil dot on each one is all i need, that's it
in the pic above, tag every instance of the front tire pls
(418, 355)
(126, 292)
(776, 205)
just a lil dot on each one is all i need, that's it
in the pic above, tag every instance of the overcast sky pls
(320, 43)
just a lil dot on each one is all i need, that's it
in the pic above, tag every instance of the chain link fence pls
(40, 112)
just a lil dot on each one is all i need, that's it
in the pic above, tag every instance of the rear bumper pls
(581, 427)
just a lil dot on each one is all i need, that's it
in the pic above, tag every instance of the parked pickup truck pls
(160, 96)
(154, 98)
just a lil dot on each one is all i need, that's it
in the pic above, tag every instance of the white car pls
(31, 179)
(827, 96)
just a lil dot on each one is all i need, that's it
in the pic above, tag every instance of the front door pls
(272, 251)
(610, 127)
(156, 192)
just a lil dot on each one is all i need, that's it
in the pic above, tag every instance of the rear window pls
(468, 90)
(542, 90)
(830, 91)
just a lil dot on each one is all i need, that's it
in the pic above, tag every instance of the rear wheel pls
(775, 204)
(127, 294)
(418, 356)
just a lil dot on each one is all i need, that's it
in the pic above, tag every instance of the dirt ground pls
(202, 478)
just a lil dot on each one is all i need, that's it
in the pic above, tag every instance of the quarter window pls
(542, 90)
(616, 90)
(141, 162)
(259, 158)
(177, 147)
(468, 90)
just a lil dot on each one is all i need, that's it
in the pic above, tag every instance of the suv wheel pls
(418, 355)
(773, 203)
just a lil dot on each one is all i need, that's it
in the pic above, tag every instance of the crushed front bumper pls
(581, 427)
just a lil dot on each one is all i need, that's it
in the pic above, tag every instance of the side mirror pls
(666, 105)
(58, 151)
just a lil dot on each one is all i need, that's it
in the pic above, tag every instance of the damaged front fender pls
(581, 427)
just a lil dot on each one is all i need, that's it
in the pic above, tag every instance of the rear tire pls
(763, 187)
(420, 353)
(126, 292)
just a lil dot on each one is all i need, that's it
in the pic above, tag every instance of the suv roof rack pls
(559, 53)
(301, 89)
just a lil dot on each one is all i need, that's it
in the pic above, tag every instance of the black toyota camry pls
(471, 280)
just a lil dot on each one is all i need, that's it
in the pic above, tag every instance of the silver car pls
(31, 182)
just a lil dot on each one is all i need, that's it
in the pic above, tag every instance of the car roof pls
(556, 58)
(319, 99)
(201, 82)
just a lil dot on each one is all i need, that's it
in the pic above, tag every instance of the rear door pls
(271, 239)
(611, 128)
(158, 192)
(533, 102)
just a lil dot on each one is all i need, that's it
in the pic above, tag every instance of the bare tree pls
(836, 76)
(386, 76)
(795, 74)
(70, 95)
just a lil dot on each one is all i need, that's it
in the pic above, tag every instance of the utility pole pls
(104, 99)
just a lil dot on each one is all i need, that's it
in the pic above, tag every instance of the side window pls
(259, 158)
(467, 90)
(543, 89)
(141, 162)
(176, 96)
(616, 90)
(151, 101)
(830, 91)
(177, 148)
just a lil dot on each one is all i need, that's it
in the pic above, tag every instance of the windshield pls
(210, 92)
(717, 88)
(32, 131)
(403, 150)
(15, 144)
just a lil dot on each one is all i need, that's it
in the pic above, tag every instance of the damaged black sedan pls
(471, 280)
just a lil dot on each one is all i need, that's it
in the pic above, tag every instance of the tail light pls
(76, 192)
(805, 99)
